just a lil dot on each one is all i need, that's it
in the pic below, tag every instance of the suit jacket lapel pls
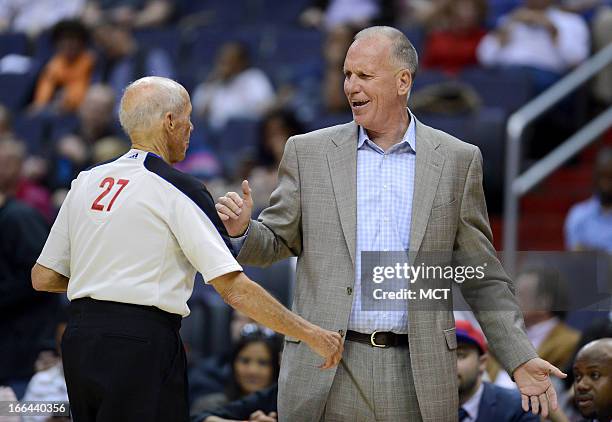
(488, 402)
(429, 163)
(342, 160)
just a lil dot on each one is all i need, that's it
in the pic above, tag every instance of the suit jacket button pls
(349, 291)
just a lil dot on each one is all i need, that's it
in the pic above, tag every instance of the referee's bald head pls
(146, 101)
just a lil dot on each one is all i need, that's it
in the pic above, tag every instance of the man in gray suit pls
(383, 182)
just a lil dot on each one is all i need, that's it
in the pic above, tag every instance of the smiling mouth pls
(357, 104)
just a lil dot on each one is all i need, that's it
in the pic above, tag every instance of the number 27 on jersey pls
(107, 184)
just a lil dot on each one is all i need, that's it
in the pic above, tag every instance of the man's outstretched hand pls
(533, 381)
(234, 211)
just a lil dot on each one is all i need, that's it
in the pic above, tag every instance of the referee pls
(125, 246)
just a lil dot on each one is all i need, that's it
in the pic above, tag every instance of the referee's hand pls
(234, 211)
(327, 344)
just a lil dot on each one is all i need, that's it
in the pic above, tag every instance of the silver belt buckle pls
(374, 344)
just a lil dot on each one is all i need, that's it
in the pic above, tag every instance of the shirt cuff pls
(237, 242)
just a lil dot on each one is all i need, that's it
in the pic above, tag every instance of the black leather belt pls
(382, 339)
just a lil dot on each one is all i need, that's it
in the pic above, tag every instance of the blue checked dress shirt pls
(385, 187)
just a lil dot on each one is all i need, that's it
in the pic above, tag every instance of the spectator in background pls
(233, 89)
(108, 148)
(66, 77)
(542, 296)
(7, 394)
(48, 384)
(125, 60)
(593, 380)
(481, 401)
(260, 406)
(540, 36)
(329, 14)
(26, 314)
(337, 42)
(588, 225)
(96, 117)
(209, 375)
(12, 158)
(276, 128)
(455, 31)
(255, 366)
(33, 17)
(6, 122)
(132, 13)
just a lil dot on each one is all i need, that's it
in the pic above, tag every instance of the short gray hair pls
(403, 52)
(157, 97)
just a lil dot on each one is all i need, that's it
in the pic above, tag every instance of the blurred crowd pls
(259, 72)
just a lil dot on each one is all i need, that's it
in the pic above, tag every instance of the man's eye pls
(595, 375)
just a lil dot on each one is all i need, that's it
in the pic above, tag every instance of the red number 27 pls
(109, 182)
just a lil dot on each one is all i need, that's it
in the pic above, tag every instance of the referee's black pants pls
(124, 363)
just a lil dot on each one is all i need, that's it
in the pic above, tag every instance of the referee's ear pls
(169, 121)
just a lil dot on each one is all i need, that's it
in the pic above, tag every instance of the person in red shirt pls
(455, 30)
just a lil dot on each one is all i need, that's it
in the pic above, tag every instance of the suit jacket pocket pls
(443, 210)
(451, 338)
(292, 340)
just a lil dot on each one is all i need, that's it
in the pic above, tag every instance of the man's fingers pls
(225, 210)
(525, 402)
(543, 404)
(535, 405)
(246, 190)
(553, 370)
(223, 217)
(551, 394)
(228, 202)
(235, 197)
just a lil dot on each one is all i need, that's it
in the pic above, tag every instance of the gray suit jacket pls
(312, 215)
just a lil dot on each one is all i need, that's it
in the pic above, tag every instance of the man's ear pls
(169, 121)
(482, 361)
(404, 82)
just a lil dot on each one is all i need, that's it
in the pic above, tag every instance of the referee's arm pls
(47, 280)
(243, 294)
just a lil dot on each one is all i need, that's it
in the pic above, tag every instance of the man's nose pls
(583, 386)
(352, 85)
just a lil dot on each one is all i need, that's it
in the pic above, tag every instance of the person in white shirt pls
(537, 35)
(233, 89)
(125, 246)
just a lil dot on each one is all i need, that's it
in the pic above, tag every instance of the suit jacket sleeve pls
(492, 298)
(277, 234)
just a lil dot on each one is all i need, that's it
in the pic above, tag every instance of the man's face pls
(593, 384)
(97, 108)
(371, 83)
(179, 136)
(470, 366)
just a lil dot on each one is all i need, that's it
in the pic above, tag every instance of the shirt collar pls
(409, 136)
(471, 406)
